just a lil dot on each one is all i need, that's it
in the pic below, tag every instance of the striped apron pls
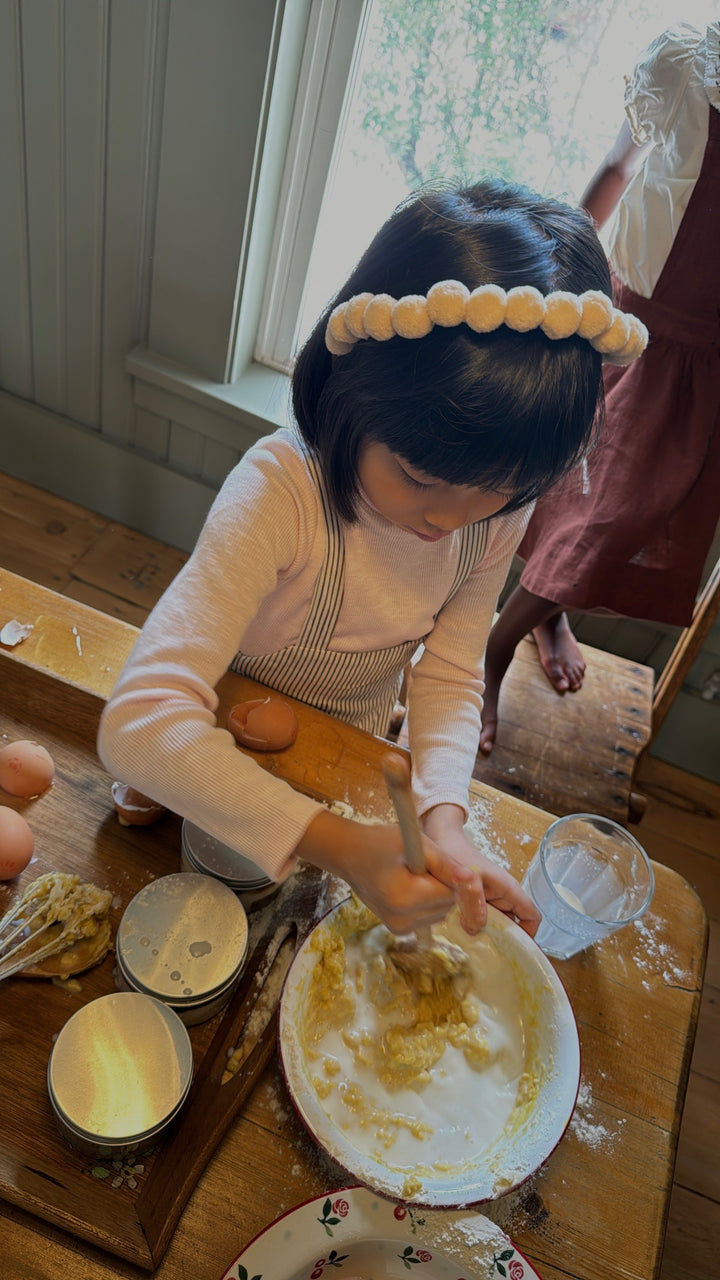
(359, 688)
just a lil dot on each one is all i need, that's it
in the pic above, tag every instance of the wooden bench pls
(579, 752)
(576, 752)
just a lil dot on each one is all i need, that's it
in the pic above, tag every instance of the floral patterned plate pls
(354, 1233)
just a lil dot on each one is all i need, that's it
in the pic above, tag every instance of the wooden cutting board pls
(76, 830)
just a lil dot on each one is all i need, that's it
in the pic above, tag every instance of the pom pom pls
(639, 336)
(563, 313)
(354, 313)
(635, 345)
(337, 348)
(338, 338)
(485, 308)
(446, 302)
(614, 338)
(597, 313)
(410, 316)
(377, 317)
(525, 308)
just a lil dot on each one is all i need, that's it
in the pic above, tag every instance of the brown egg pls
(263, 724)
(26, 768)
(16, 843)
(133, 808)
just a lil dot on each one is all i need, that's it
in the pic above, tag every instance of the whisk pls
(55, 911)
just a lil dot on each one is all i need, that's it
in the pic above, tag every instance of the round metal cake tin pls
(202, 853)
(118, 1074)
(183, 939)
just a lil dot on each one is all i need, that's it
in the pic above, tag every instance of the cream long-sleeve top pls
(247, 586)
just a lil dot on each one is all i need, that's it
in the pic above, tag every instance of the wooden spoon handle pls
(396, 771)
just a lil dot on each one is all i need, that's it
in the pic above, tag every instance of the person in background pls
(629, 532)
(438, 395)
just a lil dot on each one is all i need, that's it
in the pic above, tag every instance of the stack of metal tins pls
(183, 939)
(207, 856)
(119, 1072)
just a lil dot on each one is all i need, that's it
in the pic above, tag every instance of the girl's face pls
(429, 508)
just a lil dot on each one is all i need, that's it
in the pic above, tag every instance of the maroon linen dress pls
(632, 534)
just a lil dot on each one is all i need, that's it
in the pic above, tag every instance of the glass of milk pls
(589, 877)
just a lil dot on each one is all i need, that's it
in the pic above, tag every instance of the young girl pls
(610, 541)
(426, 427)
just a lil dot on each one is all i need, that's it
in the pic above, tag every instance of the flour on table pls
(479, 828)
(345, 810)
(583, 1125)
(654, 954)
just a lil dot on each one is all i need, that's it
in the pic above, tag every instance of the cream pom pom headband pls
(620, 337)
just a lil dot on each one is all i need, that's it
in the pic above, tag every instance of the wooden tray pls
(76, 830)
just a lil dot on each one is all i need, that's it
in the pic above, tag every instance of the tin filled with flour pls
(205, 855)
(119, 1072)
(183, 939)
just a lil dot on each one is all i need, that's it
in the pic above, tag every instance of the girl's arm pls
(446, 685)
(159, 731)
(444, 717)
(611, 178)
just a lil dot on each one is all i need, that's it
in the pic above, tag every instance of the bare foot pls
(559, 653)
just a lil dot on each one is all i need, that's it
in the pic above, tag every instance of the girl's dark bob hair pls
(503, 410)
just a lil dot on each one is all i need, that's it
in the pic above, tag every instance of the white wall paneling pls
(217, 412)
(121, 484)
(220, 55)
(130, 143)
(137, 53)
(16, 361)
(152, 434)
(83, 57)
(81, 90)
(43, 79)
(185, 449)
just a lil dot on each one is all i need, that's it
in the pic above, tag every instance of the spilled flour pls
(586, 1128)
(480, 829)
(655, 955)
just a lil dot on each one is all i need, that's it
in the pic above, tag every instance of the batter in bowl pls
(423, 1072)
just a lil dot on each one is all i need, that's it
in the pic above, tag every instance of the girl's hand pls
(371, 860)
(445, 824)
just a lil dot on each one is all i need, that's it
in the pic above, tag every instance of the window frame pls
(327, 76)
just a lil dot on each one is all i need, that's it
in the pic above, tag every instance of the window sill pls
(234, 413)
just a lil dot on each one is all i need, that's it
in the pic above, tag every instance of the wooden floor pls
(121, 572)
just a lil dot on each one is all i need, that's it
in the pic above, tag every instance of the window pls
(440, 90)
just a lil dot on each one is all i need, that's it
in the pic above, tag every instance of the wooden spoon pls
(424, 953)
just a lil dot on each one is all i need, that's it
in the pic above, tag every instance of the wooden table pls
(596, 1210)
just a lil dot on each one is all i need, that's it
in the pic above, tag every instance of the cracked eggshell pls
(16, 843)
(26, 769)
(133, 808)
(15, 632)
(263, 724)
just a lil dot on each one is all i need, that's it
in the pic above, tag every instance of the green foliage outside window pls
(457, 88)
